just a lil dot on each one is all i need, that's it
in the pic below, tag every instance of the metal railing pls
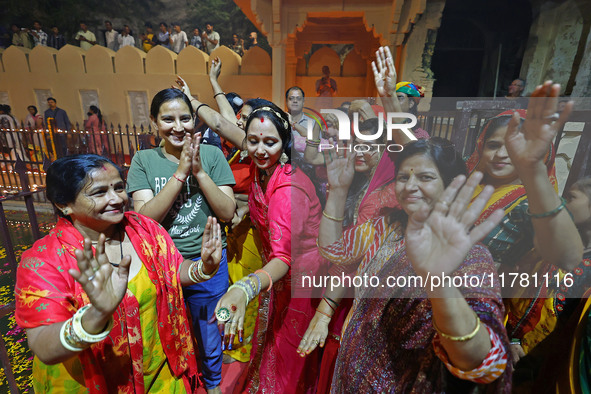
(38, 148)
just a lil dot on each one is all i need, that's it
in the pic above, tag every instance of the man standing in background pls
(111, 36)
(126, 39)
(178, 39)
(163, 36)
(20, 37)
(39, 36)
(211, 38)
(86, 38)
(196, 40)
(56, 40)
(57, 119)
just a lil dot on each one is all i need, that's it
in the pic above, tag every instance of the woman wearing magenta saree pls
(286, 211)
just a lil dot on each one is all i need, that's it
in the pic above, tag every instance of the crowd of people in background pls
(170, 36)
(237, 290)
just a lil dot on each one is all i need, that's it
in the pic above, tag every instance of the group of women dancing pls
(209, 264)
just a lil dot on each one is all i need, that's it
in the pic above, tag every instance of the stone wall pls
(552, 46)
(121, 81)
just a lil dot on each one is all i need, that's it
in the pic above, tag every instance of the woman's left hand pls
(528, 145)
(196, 165)
(211, 246)
(438, 240)
(315, 335)
(233, 301)
(104, 286)
(183, 86)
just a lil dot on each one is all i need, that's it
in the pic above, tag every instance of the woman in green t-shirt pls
(180, 184)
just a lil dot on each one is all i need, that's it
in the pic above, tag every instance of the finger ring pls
(96, 268)
(233, 308)
(316, 342)
(304, 341)
(554, 116)
(444, 203)
(223, 314)
(91, 277)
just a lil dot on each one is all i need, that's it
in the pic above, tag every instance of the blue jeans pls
(201, 299)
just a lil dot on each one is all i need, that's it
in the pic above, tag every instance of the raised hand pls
(438, 240)
(211, 245)
(340, 168)
(528, 145)
(315, 335)
(104, 285)
(384, 72)
(182, 85)
(215, 69)
(196, 165)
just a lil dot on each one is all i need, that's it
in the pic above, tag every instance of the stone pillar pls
(552, 44)
(279, 70)
(420, 46)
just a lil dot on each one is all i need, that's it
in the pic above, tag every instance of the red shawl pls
(47, 294)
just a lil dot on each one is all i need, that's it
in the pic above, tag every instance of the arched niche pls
(256, 61)
(230, 60)
(192, 61)
(354, 65)
(325, 56)
(70, 60)
(160, 60)
(15, 60)
(99, 60)
(130, 60)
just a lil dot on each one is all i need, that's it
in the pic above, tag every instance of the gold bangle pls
(463, 338)
(326, 215)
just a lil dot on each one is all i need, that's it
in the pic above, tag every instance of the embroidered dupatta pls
(47, 294)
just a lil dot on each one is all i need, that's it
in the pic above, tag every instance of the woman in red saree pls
(89, 320)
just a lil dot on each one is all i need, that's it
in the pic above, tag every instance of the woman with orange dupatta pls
(515, 153)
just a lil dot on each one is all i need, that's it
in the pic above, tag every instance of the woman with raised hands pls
(180, 184)
(419, 336)
(372, 192)
(515, 152)
(100, 296)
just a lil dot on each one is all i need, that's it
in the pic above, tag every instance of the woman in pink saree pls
(286, 211)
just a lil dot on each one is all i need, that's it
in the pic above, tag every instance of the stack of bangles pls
(75, 338)
(313, 143)
(196, 273)
(251, 285)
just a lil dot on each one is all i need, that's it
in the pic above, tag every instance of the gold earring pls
(283, 159)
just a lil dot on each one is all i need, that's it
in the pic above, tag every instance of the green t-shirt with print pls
(186, 219)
